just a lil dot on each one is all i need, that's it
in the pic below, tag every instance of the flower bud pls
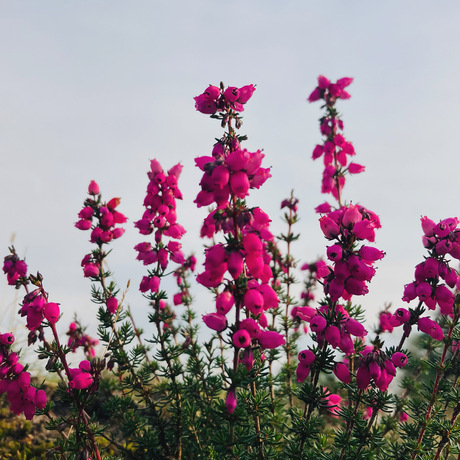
(93, 188)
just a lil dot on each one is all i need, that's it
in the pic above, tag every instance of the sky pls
(95, 89)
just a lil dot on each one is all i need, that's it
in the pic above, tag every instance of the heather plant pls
(244, 389)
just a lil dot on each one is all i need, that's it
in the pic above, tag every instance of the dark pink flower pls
(307, 357)
(241, 338)
(342, 372)
(270, 339)
(215, 321)
(112, 304)
(52, 312)
(231, 401)
(93, 188)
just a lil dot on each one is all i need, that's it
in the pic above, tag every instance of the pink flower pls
(332, 334)
(245, 93)
(399, 359)
(302, 372)
(354, 327)
(403, 417)
(430, 327)
(93, 188)
(307, 357)
(363, 377)
(330, 229)
(318, 323)
(342, 372)
(241, 338)
(270, 339)
(112, 304)
(81, 381)
(231, 401)
(52, 312)
(224, 302)
(355, 168)
(216, 322)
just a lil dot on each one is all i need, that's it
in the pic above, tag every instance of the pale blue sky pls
(94, 89)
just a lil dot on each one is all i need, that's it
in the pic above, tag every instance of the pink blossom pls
(332, 335)
(354, 327)
(270, 339)
(224, 302)
(112, 304)
(318, 323)
(342, 372)
(7, 338)
(430, 327)
(245, 93)
(231, 401)
(241, 338)
(215, 321)
(363, 377)
(329, 227)
(355, 168)
(302, 372)
(399, 359)
(52, 312)
(251, 326)
(93, 188)
(307, 357)
(323, 208)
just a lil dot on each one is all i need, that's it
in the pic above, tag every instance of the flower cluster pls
(335, 147)
(353, 267)
(36, 308)
(216, 99)
(330, 92)
(101, 218)
(15, 381)
(440, 239)
(230, 175)
(14, 268)
(377, 368)
(105, 215)
(160, 217)
(78, 338)
(80, 377)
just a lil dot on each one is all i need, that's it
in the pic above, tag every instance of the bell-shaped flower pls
(399, 359)
(215, 321)
(307, 357)
(270, 339)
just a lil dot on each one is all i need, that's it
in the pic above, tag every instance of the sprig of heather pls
(15, 381)
(335, 147)
(336, 321)
(441, 240)
(40, 313)
(160, 219)
(102, 218)
(228, 175)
